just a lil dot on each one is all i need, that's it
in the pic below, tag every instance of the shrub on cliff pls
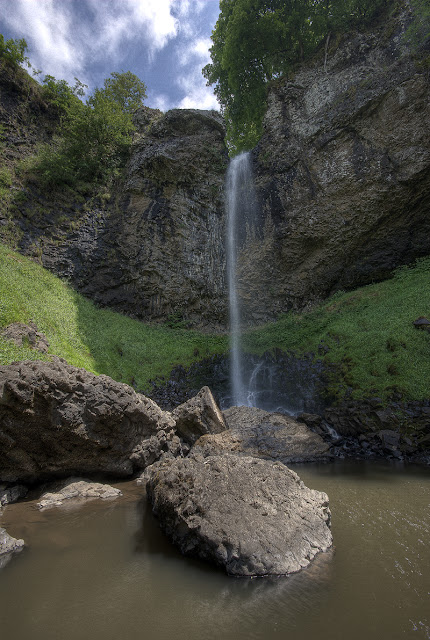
(94, 136)
(13, 50)
(256, 41)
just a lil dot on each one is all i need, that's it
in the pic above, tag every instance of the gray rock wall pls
(342, 172)
(159, 251)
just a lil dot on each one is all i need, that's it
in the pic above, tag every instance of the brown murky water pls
(103, 571)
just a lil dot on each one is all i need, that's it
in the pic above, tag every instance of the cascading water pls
(240, 204)
(288, 386)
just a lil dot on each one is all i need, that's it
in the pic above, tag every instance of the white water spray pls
(240, 204)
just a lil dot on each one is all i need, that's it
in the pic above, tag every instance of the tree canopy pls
(13, 50)
(255, 41)
(94, 135)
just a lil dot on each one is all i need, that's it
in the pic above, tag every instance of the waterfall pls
(240, 211)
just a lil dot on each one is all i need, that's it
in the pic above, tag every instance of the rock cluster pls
(253, 517)
(250, 516)
(57, 420)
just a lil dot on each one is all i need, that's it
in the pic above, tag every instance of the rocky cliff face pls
(159, 250)
(342, 172)
(152, 249)
(343, 188)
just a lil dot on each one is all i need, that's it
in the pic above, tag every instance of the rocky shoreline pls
(199, 465)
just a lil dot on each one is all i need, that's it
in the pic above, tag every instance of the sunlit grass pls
(369, 333)
(99, 340)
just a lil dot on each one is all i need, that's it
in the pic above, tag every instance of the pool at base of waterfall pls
(104, 570)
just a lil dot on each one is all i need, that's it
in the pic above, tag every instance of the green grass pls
(99, 340)
(368, 333)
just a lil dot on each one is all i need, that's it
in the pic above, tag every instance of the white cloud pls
(90, 38)
(191, 80)
(198, 96)
(47, 27)
(66, 37)
(162, 102)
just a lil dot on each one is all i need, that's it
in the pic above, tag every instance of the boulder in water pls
(77, 488)
(252, 517)
(57, 420)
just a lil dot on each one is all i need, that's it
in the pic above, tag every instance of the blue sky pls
(164, 42)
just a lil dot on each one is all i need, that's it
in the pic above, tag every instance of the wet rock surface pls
(57, 420)
(8, 546)
(250, 516)
(262, 434)
(75, 489)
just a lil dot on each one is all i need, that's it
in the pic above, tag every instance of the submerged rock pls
(11, 494)
(252, 517)
(57, 420)
(8, 546)
(77, 488)
(198, 416)
(272, 436)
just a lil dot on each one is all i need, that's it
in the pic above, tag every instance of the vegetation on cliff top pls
(92, 137)
(98, 340)
(258, 41)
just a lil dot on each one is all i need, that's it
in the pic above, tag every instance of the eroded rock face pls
(157, 252)
(272, 436)
(198, 416)
(342, 172)
(57, 420)
(250, 516)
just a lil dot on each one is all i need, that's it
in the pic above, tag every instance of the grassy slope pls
(369, 332)
(99, 340)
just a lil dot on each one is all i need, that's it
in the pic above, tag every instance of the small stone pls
(422, 323)
(77, 488)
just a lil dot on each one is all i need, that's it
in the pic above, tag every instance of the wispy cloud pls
(65, 38)
(191, 81)
(164, 42)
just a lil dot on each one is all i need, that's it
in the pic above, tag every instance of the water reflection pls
(106, 571)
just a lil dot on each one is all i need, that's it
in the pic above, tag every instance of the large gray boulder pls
(262, 434)
(57, 420)
(198, 416)
(253, 517)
